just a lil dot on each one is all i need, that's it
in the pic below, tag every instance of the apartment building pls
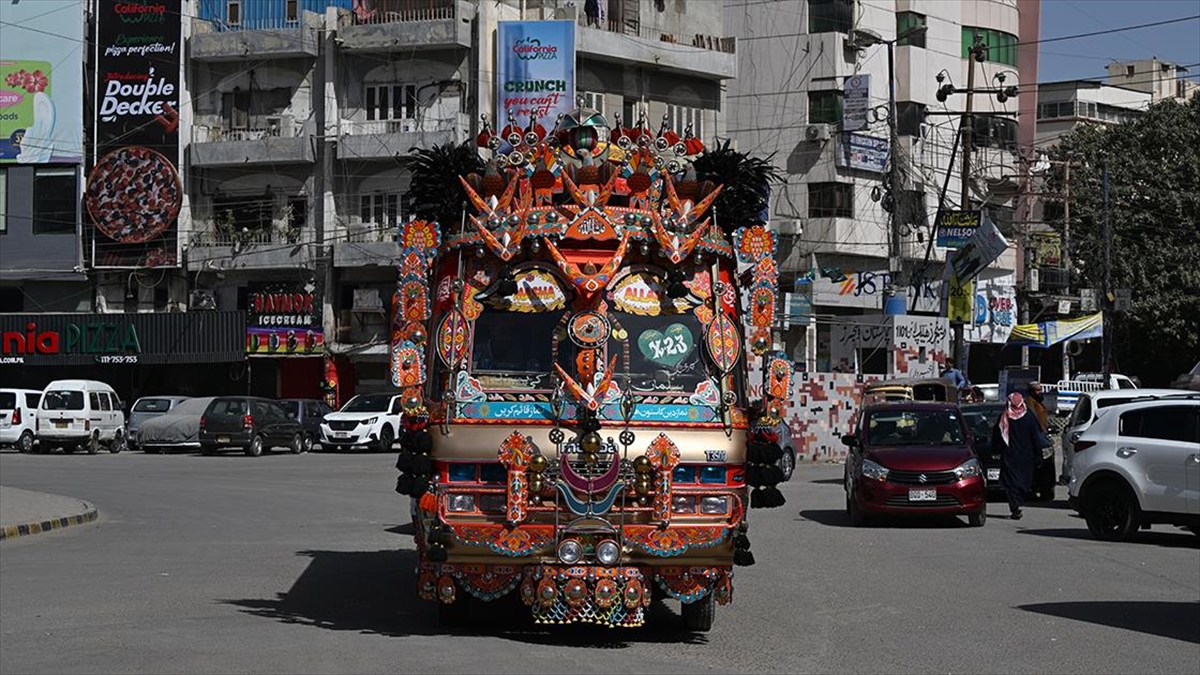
(1162, 79)
(795, 57)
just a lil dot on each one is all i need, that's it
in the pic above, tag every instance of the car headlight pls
(570, 551)
(968, 469)
(874, 471)
(370, 421)
(608, 552)
(460, 503)
(683, 504)
(714, 505)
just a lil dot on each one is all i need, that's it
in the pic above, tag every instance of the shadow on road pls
(374, 592)
(1164, 539)
(827, 481)
(1175, 620)
(839, 518)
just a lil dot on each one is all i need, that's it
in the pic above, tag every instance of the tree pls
(435, 191)
(1154, 210)
(747, 185)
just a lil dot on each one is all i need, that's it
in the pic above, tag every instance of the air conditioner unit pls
(817, 132)
(367, 299)
(202, 300)
(283, 126)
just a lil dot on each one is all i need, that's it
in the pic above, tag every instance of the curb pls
(26, 529)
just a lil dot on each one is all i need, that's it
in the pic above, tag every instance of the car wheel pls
(297, 444)
(92, 445)
(385, 439)
(978, 519)
(208, 449)
(256, 446)
(698, 616)
(308, 443)
(117, 444)
(25, 443)
(787, 463)
(1110, 512)
(857, 517)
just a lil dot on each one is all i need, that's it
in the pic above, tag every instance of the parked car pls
(178, 428)
(250, 423)
(309, 412)
(146, 408)
(18, 418)
(1189, 380)
(80, 414)
(787, 463)
(1137, 465)
(913, 458)
(1067, 392)
(366, 421)
(1092, 404)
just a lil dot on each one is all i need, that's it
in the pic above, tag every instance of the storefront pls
(185, 353)
(285, 340)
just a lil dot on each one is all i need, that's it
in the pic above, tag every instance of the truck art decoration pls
(572, 356)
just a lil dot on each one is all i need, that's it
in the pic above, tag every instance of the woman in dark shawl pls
(1018, 434)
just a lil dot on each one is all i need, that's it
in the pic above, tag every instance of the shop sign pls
(861, 152)
(986, 245)
(94, 337)
(955, 228)
(856, 102)
(865, 290)
(80, 339)
(1046, 247)
(284, 320)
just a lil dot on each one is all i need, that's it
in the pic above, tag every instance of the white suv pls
(1093, 404)
(1139, 464)
(367, 420)
(18, 418)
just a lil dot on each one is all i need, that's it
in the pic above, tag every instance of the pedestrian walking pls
(955, 376)
(1019, 436)
(1036, 403)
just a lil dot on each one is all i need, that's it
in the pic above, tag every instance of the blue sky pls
(1085, 58)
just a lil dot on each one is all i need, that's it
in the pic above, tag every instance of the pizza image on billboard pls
(133, 194)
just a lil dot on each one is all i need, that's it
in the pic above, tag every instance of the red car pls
(913, 458)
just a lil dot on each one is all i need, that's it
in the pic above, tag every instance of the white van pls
(80, 414)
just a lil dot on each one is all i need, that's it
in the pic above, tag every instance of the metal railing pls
(202, 133)
(405, 11)
(726, 45)
(210, 234)
(276, 23)
(401, 126)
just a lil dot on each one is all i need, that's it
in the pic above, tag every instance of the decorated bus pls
(574, 354)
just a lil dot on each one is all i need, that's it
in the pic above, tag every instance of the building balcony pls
(365, 244)
(257, 39)
(401, 24)
(705, 55)
(213, 247)
(388, 139)
(280, 140)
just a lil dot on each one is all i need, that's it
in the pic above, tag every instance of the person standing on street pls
(955, 376)
(1021, 449)
(1037, 405)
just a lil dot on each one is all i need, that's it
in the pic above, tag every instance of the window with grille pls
(907, 20)
(380, 210)
(233, 12)
(679, 117)
(293, 10)
(825, 106)
(593, 100)
(391, 102)
(830, 200)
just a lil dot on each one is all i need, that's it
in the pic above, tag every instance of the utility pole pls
(1066, 254)
(894, 252)
(1107, 335)
(976, 53)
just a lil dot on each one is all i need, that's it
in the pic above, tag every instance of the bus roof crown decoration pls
(601, 242)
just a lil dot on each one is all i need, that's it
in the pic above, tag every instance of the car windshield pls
(62, 399)
(152, 405)
(368, 403)
(8, 400)
(914, 427)
(981, 419)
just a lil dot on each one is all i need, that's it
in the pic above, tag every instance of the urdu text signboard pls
(535, 71)
(41, 82)
(955, 228)
(133, 191)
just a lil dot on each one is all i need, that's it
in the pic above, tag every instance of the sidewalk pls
(23, 512)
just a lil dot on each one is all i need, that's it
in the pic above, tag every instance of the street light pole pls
(894, 253)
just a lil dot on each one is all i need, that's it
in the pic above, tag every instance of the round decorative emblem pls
(606, 593)
(633, 593)
(589, 330)
(575, 592)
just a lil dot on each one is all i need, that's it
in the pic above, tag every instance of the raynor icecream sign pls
(284, 320)
(535, 71)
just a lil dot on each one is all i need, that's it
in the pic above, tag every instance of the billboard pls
(134, 193)
(856, 102)
(955, 228)
(861, 152)
(41, 82)
(284, 319)
(535, 71)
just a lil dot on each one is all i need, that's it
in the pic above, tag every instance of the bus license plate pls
(922, 495)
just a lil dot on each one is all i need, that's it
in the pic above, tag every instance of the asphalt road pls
(298, 564)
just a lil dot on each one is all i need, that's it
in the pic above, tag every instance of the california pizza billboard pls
(535, 71)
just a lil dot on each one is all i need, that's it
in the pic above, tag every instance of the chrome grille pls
(914, 477)
(942, 500)
(342, 425)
